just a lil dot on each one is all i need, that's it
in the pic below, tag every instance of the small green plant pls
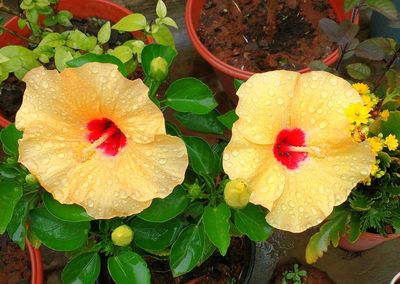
(294, 276)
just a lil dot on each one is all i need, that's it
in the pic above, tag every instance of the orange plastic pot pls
(227, 73)
(365, 242)
(36, 264)
(81, 9)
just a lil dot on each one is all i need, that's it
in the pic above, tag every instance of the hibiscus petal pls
(263, 104)
(318, 107)
(121, 100)
(318, 185)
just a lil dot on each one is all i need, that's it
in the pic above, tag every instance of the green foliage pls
(295, 275)
(84, 268)
(206, 123)
(128, 267)
(216, 226)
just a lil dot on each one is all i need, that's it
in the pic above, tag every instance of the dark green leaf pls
(187, 250)
(251, 222)
(318, 65)
(216, 226)
(203, 159)
(374, 48)
(329, 232)
(208, 248)
(65, 212)
(354, 227)
(162, 210)
(16, 229)
(206, 123)
(228, 119)
(172, 129)
(195, 210)
(103, 58)
(358, 71)
(128, 268)
(190, 95)
(152, 51)
(9, 136)
(385, 7)
(391, 126)
(10, 194)
(330, 29)
(155, 236)
(350, 4)
(57, 234)
(237, 83)
(83, 269)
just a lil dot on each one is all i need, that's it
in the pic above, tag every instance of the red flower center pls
(289, 148)
(107, 135)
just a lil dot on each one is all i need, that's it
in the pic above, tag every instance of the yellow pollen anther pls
(313, 151)
(85, 153)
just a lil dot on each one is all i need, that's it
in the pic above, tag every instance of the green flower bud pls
(194, 190)
(122, 236)
(236, 193)
(31, 179)
(11, 161)
(159, 69)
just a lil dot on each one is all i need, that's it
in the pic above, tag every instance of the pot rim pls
(233, 71)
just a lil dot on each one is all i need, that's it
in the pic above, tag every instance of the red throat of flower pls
(107, 135)
(290, 148)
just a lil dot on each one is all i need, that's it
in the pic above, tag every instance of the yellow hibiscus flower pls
(94, 138)
(292, 146)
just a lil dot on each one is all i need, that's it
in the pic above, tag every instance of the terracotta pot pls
(102, 9)
(227, 73)
(396, 279)
(36, 264)
(365, 241)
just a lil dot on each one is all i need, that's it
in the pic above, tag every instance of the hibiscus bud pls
(11, 161)
(194, 190)
(236, 193)
(30, 179)
(159, 69)
(122, 236)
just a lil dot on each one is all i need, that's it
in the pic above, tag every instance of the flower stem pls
(8, 10)
(18, 35)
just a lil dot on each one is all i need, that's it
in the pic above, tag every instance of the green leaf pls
(391, 126)
(330, 29)
(10, 194)
(206, 123)
(57, 234)
(203, 159)
(208, 248)
(131, 23)
(162, 210)
(128, 268)
(21, 23)
(161, 9)
(63, 20)
(172, 129)
(65, 212)
(169, 22)
(9, 137)
(84, 269)
(216, 226)
(155, 236)
(251, 222)
(228, 119)
(122, 52)
(358, 71)
(354, 227)
(16, 229)
(187, 250)
(21, 60)
(152, 51)
(190, 95)
(78, 40)
(104, 33)
(385, 7)
(350, 4)
(374, 48)
(103, 58)
(62, 56)
(164, 36)
(53, 40)
(329, 233)
(237, 83)
(318, 65)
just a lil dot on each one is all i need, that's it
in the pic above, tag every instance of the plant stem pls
(8, 10)
(18, 35)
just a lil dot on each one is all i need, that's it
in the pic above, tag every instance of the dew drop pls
(279, 101)
(148, 153)
(235, 153)
(311, 109)
(323, 124)
(90, 202)
(162, 161)
(228, 165)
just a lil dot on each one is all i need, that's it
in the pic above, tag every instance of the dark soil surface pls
(314, 275)
(12, 89)
(262, 35)
(14, 264)
(216, 270)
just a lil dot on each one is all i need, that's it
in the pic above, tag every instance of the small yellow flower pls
(376, 144)
(391, 142)
(385, 114)
(368, 102)
(361, 88)
(357, 113)
(374, 169)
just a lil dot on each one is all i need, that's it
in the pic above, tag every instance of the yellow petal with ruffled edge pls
(313, 102)
(150, 165)
(263, 103)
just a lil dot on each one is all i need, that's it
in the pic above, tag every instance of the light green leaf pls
(104, 33)
(131, 23)
(128, 268)
(53, 40)
(216, 226)
(21, 23)
(190, 95)
(83, 269)
(10, 194)
(161, 9)
(251, 222)
(123, 53)
(164, 36)
(57, 234)
(169, 22)
(62, 56)
(21, 60)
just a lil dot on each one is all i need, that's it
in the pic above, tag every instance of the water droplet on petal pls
(162, 161)
(279, 101)
(323, 124)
